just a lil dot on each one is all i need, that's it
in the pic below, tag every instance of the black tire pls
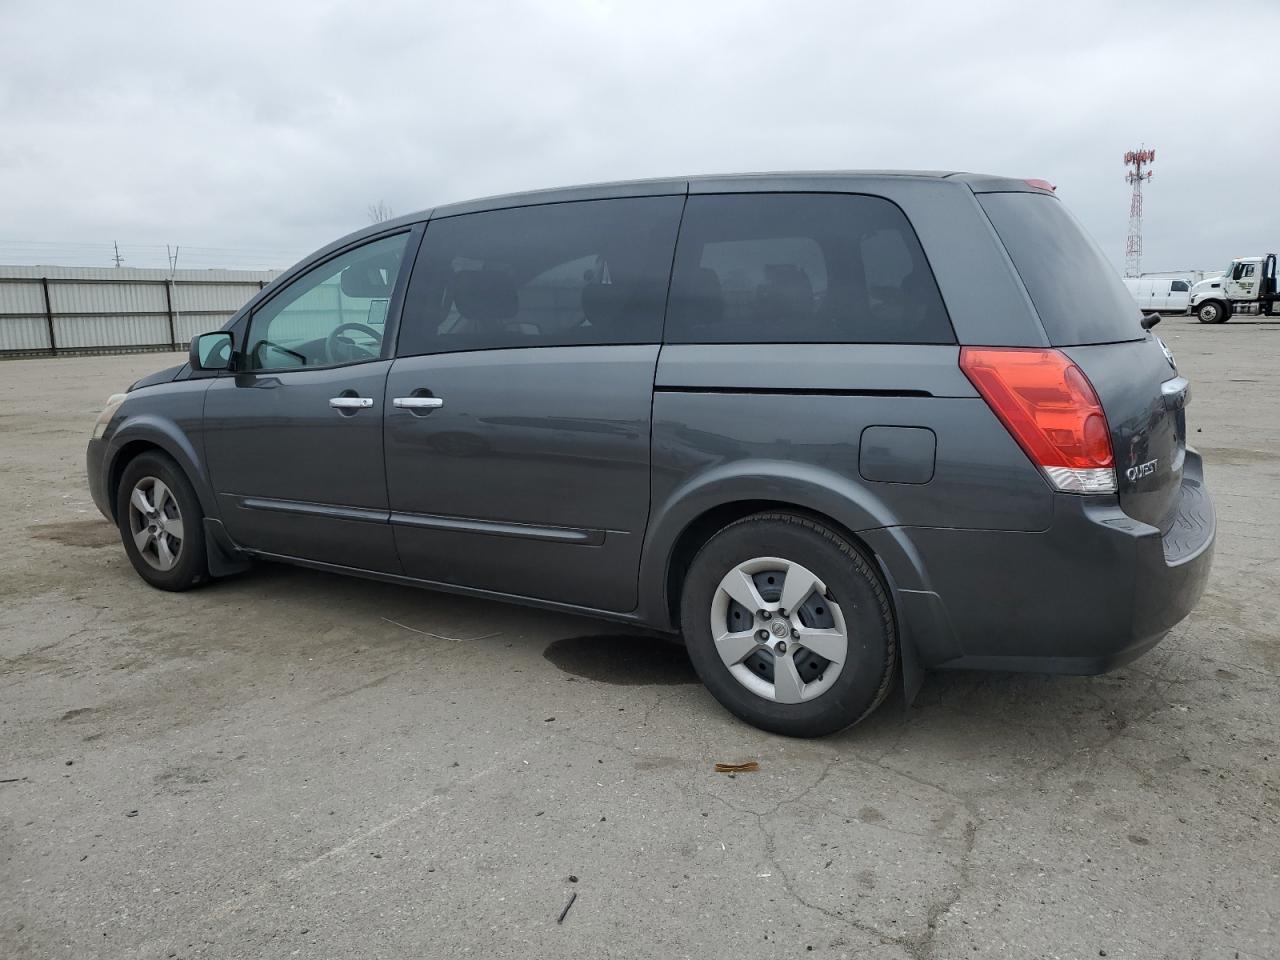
(191, 567)
(852, 582)
(1213, 311)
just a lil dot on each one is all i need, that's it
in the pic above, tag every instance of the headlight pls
(109, 411)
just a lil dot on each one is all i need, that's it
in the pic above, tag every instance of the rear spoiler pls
(983, 183)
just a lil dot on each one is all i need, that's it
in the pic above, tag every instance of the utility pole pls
(168, 293)
(117, 258)
(1135, 161)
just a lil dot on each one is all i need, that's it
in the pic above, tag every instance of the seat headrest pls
(602, 303)
(485, 295)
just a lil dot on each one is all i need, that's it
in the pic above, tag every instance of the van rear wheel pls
(789, 625)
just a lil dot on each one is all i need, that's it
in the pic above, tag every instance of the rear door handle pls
(350, 403)
(418, 403)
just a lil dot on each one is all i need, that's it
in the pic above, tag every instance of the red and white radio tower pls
(1135, 160)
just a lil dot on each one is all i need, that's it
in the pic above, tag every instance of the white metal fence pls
(50, 311)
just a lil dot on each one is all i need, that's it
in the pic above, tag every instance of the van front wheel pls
(161, 523)
(789, 625)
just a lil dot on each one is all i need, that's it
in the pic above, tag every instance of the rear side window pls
(1078, 294)
(581, 273)
(801, 268)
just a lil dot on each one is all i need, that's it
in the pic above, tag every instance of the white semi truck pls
(1248, 281)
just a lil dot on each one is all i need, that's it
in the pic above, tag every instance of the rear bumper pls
(1092, 592)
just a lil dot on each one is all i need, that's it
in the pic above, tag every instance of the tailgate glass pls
(1078, 294)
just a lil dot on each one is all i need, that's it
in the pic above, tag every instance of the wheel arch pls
(707, 524)
(127, 453)
(703, 505)
(221, 554)
(140, 434)
(706, 503)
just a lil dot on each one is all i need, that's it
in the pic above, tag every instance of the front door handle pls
(350, 403)
(418, 403)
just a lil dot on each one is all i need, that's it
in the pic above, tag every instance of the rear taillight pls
(1050, 408)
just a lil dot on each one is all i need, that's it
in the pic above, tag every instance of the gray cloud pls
(266, 128)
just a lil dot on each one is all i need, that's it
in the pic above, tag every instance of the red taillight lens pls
(1042, 185)
(1050, 408)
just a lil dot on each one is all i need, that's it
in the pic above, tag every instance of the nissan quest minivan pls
(833, 428)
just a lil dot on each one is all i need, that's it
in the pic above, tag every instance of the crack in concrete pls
(919, 946)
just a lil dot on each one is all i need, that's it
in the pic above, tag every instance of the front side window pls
(333, 314)
(1179, 286)
(802, 268)
(564, 274)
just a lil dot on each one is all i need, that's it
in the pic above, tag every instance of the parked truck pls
(1247, 282)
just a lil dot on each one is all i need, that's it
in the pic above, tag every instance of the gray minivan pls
(834, 428)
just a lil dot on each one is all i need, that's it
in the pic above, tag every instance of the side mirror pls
(211, 351)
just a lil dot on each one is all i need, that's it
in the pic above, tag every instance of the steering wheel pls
(339, 349)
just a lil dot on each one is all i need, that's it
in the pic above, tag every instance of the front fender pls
(172, 420)
(783, 482)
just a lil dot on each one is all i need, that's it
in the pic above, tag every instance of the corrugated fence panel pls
(75, 333)
(68, 298)
(212, 296)
(23, 333)
(21, 298)
(135, 300)
(186, 326)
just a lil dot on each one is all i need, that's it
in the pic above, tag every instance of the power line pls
(87, 253)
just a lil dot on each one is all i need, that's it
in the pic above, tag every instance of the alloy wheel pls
(778, 631)
(155, 521)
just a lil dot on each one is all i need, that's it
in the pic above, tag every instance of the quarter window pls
(564, 274)
(333, 314)
(802, 268)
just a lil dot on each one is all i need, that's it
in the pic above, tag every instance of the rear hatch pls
(1090, 316)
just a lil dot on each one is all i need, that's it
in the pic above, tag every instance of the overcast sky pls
(251, 133)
